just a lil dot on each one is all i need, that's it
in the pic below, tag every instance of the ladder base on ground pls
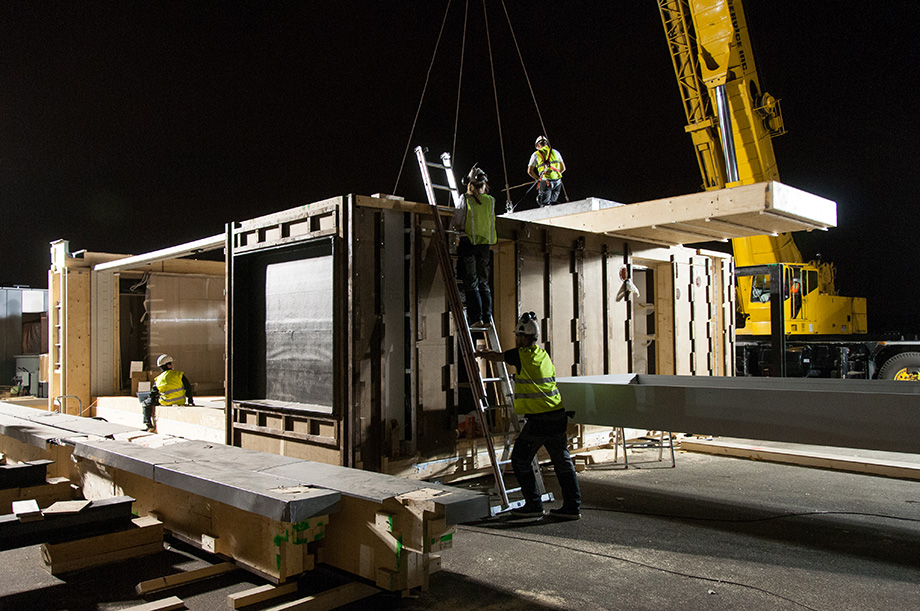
(546, 497)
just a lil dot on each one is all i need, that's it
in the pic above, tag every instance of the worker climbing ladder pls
(504, 394)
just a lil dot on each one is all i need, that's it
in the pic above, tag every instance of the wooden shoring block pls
(101, 516)
(330, 599)
(144, 538)
(111, 557)
(52, 490)
(387, 543)
(164, 604)
(27, 510)
(270, 548)
(65, 507)
(259, 594)
(178, 579)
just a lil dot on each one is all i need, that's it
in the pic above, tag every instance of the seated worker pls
(170, 388)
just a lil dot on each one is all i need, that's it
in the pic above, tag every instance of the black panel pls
(283, 304)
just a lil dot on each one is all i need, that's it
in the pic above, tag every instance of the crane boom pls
(732, 122)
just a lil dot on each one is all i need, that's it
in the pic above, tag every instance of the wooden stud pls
(145, 538)
(166, 604)
(259, 594)
(330, 599)
(171, 581)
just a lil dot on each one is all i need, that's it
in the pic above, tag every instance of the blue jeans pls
(545, 430)
(475, 263)
(548, 192)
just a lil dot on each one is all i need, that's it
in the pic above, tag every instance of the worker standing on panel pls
(538, 400)
(476, 219)
(546, 167)
(171, 387)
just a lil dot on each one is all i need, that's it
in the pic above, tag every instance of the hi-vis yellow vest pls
(535, 383)
(169, 384)
(480, 219)
(548, 163)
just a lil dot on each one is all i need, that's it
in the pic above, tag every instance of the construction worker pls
(537, 399)
(476, 219)
(796, 297)
(171, 387)
(546, 167)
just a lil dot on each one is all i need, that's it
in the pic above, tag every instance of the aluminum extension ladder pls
(504, 394)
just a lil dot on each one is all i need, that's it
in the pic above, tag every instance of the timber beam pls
(273, 515)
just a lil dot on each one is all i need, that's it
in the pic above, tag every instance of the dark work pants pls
(546, 430)
(548, 192)
(475, 263)
(148, 413)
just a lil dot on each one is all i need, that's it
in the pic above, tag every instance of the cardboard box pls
(138, 377)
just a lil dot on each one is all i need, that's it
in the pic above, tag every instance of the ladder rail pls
(467, 348)
(456, 308)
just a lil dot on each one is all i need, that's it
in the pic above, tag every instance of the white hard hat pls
(477, 176)
(527, 325)
(164, 360)
(540, 142)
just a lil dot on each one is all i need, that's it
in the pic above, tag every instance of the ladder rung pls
(441, 188)
(491, 379)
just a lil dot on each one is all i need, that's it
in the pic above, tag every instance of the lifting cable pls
(419, 109)
(533, 96)
(498, 117)
(453, 150)
(524, 68)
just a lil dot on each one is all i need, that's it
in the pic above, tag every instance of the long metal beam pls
(278, 487)
(173, 252)
(867, 414)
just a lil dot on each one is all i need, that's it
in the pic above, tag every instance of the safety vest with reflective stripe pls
(169, 384)
(548, 163)
(480, 219)
(535, 383)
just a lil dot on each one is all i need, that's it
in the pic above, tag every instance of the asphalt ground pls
(713, 533)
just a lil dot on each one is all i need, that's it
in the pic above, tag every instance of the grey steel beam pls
(27, 432)
(461, 505)
(65, 425)
(279, 487)
(867, 414)
(216, 475)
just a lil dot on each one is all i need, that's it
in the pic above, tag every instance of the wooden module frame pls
(397, 402)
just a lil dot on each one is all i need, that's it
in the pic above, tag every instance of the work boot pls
(526, 511)
(565, 513)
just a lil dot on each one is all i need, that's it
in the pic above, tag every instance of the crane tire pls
(904, 366)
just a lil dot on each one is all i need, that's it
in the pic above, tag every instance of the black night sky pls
(130, 127)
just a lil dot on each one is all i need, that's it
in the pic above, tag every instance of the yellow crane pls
(732, 122)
